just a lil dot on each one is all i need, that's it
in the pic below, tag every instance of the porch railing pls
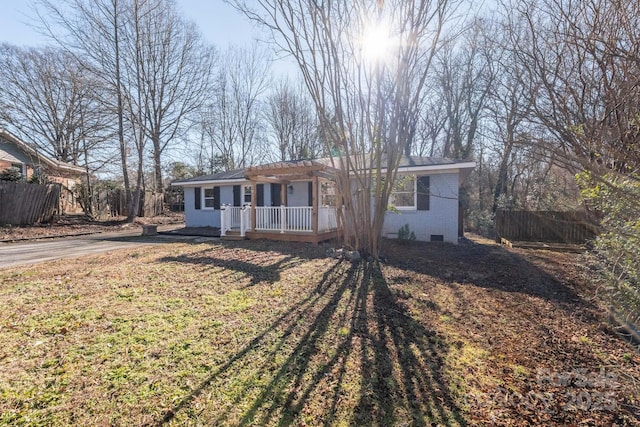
(235, 217)
(327, 219)
(284, 218)
(297, 219)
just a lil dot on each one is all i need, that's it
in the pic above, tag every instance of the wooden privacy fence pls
(22, 203)
(544, 226)
(112, 203)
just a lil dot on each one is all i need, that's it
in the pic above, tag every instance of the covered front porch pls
(302, 204)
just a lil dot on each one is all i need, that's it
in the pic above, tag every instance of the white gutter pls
(426, 168)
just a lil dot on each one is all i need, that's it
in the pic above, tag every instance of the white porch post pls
(314, 204)
(223, 216)
(282, 219)
(242, 221)
(254, 203)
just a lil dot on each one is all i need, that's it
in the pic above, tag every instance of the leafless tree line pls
(119, 86)
(534, 91)
(540, 91)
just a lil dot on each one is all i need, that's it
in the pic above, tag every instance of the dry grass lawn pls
(263, 333)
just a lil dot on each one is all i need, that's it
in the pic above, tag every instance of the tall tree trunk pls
(120, 109)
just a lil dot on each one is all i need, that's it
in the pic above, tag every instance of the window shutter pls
(260, 195)
(216, 198)
(310, 194)
(276, 199)
(236, 195)
(423, 193)
(197, 197)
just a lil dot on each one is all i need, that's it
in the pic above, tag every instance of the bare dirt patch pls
(266, 333)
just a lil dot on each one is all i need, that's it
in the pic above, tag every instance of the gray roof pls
(232, 174)
(411, 161)
(239, 174)
(408, 161)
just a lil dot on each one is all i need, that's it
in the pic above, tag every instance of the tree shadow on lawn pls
(504, 303)
(264, 264)
(357, 357)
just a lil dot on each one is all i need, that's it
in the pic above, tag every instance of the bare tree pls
(50, 100)
(232, 124)
(430, 127)
(465, 73)
(509, 106)
(175, 75)
(152, 63)
(365, 65)
(94, 34)
(583, 58)
(293, 123)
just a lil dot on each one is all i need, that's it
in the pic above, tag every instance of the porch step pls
(232, 235)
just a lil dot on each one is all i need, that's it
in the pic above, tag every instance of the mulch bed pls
(77, 225)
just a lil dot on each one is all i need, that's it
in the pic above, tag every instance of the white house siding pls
(300, 194)
(440, 219)
(198, 217)
(204, 217)
(211, 218)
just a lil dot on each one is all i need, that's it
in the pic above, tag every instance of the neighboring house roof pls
(22, 149)
(406, 164)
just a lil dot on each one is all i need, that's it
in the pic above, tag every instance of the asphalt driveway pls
(26, 253)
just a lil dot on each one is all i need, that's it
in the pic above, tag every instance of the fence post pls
(497, 228)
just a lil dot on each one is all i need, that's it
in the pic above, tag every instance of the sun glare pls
(376, 43)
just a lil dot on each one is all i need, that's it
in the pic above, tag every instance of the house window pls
(208, 198)
(403, 193)
(247, 194)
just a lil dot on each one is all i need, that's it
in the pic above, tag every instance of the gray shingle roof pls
(232, 174)
(405, 161)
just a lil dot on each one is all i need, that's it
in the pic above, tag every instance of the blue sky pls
(219, 23)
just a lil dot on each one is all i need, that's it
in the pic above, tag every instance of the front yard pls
(265, 333)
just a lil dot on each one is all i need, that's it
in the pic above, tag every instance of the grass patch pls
(260, 333)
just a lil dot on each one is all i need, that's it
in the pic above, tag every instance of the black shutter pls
(236, 195)
(260, 195)
(216, 198)
(310, 194)
(197, 197)
(276, 199)
(423, 193)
